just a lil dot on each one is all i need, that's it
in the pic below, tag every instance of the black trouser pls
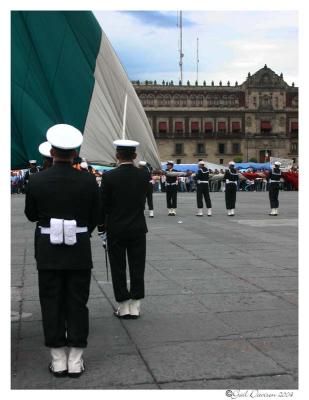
(171, 196)
(230, 195)
(274, 194)
(149, 196)
(63, 297)
(134, 247)
(203, 191)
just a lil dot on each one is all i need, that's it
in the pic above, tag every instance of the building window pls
(200, 148)
(236, 148)
(210, 101)
(179, 127)
(160, 101)
(162, 127)
(143, 100)
(221, 161)
(266, 100)
(295, 102)
(167, 100)
(236, 126)
(221, 127)
(178, 161)
(221, 148)
(294, 127)
(193, 101)
(150, 100)
(265, 127)
(200, 101)
(183, 101)
(294, 148)
(194, 127)
(177, 101)
(254, 102)
(208, 127)
(178, 148)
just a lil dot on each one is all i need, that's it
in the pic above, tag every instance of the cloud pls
(157, 18)
(231, 44)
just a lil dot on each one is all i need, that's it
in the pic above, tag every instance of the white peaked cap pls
(277, 163)
(142, 163)
(231, 163)
(170, 162)
(44, 149)
(64, 137)
(201, 162)
(84, 165)
(125, 143)
(32, 161)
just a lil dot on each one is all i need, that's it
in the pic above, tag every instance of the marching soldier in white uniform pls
(202, 189)
(171, 186)
(274, 186)
(231, 179)
(65, 203)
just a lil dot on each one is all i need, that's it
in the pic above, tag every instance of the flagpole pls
(124, 118)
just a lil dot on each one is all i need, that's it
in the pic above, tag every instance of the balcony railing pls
(199, 135)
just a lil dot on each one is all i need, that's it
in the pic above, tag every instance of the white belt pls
(272, 181)
(227, 181)
(79, 229)
(202, 182)
(171, 183)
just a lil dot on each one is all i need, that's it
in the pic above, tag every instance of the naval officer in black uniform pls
(149, 196)
(123, 196)
(202, 189)
(231, 179)
(65, 202)
(273, 179)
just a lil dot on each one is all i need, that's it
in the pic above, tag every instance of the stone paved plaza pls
(220, 310)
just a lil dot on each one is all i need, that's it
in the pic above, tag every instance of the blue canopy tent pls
(253, 165)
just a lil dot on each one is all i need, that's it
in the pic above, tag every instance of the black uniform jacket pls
(171, 179)
(63, 192)
(231, 174)
(274, 175)
(202, 174)
(123, 196)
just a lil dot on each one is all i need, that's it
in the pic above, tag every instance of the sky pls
(231, 44)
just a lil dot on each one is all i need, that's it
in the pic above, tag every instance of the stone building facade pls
(251, 121)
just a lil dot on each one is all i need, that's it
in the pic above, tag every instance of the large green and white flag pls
(64, 70)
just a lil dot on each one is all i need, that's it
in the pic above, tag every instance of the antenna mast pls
(197, 60)
(180, 46)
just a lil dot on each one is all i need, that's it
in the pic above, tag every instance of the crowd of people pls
(251, 181)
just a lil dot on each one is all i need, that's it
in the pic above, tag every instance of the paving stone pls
(242, 301)
(275, 283)
(207, 360)
(162, 328)
(262, 323)
(283, 350)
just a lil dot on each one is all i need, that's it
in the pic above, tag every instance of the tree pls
(253, 159)
(238, 159)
